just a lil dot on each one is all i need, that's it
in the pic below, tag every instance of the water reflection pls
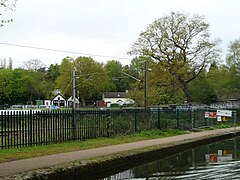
(215, 161)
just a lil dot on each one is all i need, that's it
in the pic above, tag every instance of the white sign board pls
(225, 113)
(219, 118)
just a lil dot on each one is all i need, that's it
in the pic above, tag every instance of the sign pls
(219, 118)
(210, 115)
(225, 113)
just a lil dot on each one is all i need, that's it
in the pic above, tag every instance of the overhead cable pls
(62, 51)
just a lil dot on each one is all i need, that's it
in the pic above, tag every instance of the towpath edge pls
(82, 162)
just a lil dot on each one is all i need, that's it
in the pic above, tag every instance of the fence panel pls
(27, 128)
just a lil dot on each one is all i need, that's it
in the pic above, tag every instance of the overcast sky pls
(101, 27)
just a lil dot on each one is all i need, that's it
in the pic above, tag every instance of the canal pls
(220, 160)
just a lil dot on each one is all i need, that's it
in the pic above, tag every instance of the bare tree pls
(34, 64)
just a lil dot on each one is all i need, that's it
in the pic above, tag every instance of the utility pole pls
(146, 84)
(73, 103)
(73, 88)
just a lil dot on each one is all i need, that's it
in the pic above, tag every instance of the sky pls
(102, 29)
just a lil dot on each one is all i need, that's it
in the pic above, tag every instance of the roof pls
(114, 95)
(59, 95)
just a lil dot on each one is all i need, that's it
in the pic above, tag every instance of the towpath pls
(25, 165)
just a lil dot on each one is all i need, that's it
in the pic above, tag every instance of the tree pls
(6, 4)
(35, 65)
(6, 80)
(92, 79)
(181, 46)
(202, 90)
(53, 72)
(117, 81)
(21, 86)
(64, 79)
(90, 82)
(233, 56)
(224, 81)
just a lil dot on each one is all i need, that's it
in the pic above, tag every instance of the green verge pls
(35, 151)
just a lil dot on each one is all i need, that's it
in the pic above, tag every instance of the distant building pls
(58, 100)
(70, 102)
(116, 98)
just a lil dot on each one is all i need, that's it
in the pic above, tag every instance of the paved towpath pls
(20, 166)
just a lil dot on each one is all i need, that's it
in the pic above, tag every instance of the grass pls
(34, 151)
(222, 126)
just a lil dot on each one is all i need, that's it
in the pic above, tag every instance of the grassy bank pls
(34, 151)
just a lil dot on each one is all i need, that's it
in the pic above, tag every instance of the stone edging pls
(96, 167)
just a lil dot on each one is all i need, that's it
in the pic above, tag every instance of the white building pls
(116, 98)
(58, 101)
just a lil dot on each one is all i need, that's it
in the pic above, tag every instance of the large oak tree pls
(181, 46)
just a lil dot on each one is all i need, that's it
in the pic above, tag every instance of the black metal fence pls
(34, 127)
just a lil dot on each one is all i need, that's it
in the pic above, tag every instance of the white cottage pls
(58, 101)
(70, 101)
(116, 98)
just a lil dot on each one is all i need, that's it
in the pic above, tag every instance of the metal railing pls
(28, 128)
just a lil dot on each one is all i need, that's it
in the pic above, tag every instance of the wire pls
(62, 51)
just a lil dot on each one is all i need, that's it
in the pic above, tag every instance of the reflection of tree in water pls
(175, 164)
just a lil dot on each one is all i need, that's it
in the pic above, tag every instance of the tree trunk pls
(186, 92)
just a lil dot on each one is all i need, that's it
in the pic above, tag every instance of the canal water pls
(220, 160)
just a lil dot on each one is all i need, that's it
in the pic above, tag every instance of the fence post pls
(73, 125)
(135, 120)
(30, 127)
(158, 125)
(177, 116)
(108, 123)
(235, 121)
(193, 119)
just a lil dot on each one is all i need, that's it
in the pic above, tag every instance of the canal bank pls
(94, 163)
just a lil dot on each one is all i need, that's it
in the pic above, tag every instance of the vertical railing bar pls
(17, 128)
(14, 129)
(65, 126)
(8, 120)
(46, 128)
(5, 133)
(58, 126)
(41, 127)
(20, 129)
(2, 134)
(52, 135)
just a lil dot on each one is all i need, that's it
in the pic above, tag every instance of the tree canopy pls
(183, 65)
(91, 78)
(233, 56)
(181, 45)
